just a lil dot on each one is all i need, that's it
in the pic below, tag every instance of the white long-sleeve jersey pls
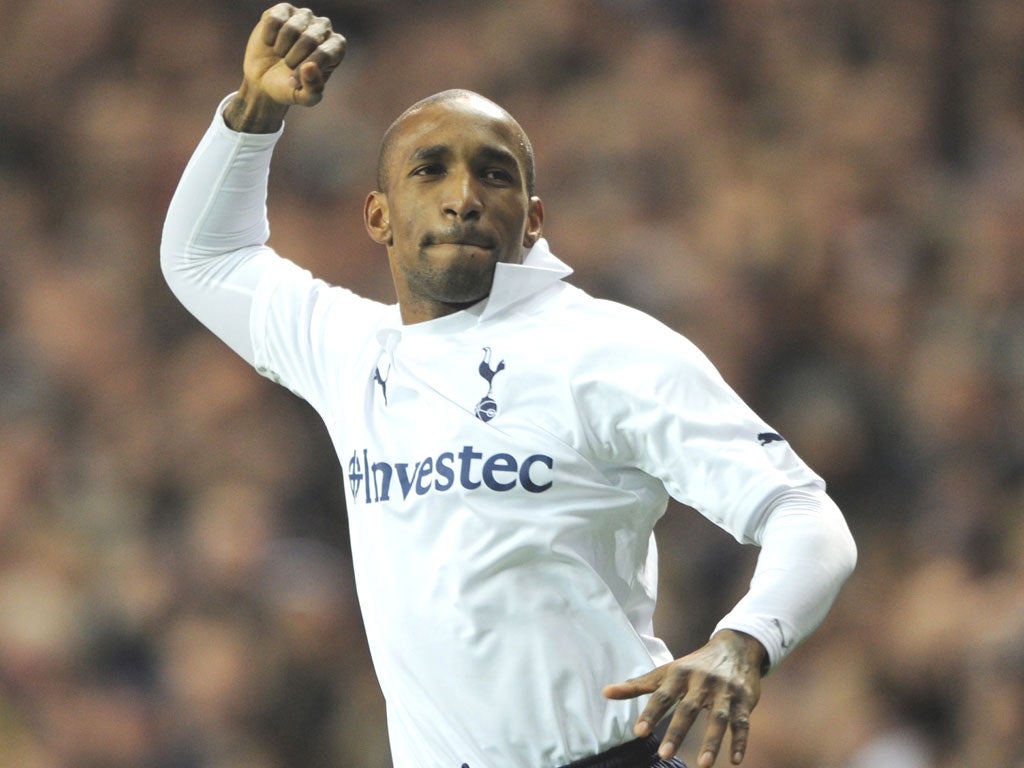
(505, 467)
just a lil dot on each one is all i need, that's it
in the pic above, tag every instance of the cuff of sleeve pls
(770, 632)
(254, 140)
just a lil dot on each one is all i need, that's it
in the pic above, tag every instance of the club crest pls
(487, 408)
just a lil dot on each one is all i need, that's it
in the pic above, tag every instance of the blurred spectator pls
(826, 196)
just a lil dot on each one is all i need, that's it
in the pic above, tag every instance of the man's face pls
(456, 205)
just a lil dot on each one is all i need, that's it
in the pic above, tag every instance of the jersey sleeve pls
(662, 407)
(215, 258)
(652, 400)
(807, 553)
(213, 250)
(307, 335)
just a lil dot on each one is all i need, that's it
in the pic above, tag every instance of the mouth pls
(470, 243)
(461, 239)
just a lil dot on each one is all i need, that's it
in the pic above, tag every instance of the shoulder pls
(592, 327)
(293, 286)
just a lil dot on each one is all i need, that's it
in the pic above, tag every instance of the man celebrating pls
(509, 443)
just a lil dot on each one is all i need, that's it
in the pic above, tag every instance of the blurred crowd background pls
(826, 195)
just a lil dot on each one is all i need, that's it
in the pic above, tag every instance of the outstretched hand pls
(723, 677)
(290, 55)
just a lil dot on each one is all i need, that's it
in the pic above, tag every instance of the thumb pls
(309, 84)
(636, 686)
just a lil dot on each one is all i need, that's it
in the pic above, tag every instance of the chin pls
(466, 298)
(468, 289)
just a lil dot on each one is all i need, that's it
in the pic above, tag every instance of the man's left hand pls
(723, 677)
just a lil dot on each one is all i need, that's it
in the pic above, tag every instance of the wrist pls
(748, 648)
(251, 111)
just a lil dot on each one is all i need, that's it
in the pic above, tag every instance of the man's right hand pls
(290, 55)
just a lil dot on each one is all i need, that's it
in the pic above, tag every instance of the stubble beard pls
(459, 284)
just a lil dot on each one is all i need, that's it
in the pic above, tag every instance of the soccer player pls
(508, 442)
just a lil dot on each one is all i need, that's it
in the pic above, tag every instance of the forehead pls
(461, 126)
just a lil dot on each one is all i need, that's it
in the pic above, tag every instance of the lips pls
(473, 243)
(460, 238)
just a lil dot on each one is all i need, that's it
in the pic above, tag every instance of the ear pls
(534, 222)
(377, 218)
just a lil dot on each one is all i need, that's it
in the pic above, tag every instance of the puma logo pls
(786, 644)
(383, 383)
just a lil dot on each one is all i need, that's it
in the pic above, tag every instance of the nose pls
(462, 199)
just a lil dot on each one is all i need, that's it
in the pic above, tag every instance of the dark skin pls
(456, 205)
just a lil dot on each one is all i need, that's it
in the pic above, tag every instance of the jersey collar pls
(512, 283)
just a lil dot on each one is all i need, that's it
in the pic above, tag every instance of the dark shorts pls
(640, 753)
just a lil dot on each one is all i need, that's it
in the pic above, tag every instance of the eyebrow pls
(441, 151)
(434, 152)
(502, 157)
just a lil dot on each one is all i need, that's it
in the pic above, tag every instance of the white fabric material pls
(505, 467)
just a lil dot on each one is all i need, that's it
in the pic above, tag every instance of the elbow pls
(836, 540)
(182, 263)
(172, 251)
(845, 557)
(814, 524)
(167, 261)
(841, 547)
(850, 555)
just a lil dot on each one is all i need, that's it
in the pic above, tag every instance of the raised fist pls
(288, 59)
(290, 55)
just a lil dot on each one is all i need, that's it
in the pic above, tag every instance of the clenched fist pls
(288, 59)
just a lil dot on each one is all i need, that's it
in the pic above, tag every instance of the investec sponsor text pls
(374, 481)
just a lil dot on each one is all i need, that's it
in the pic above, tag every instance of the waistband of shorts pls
(639, 753)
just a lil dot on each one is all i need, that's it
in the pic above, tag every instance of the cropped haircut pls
(388, 141)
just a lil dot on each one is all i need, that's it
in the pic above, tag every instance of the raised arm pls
(213, 252)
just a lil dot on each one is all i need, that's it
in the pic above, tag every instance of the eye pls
(429, 169)
(498, 175)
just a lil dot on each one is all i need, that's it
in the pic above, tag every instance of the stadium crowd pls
(826, 195)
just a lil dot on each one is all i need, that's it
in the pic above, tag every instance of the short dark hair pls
(454, 94)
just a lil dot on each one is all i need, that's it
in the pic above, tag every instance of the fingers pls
(719, 716)
(300, 35)
(328, 54)
(272, 21)
(679, 690)
(728, 712)
(663, 697)
(304, 43)
(682, 720)
(667, 686)
(740, 730)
